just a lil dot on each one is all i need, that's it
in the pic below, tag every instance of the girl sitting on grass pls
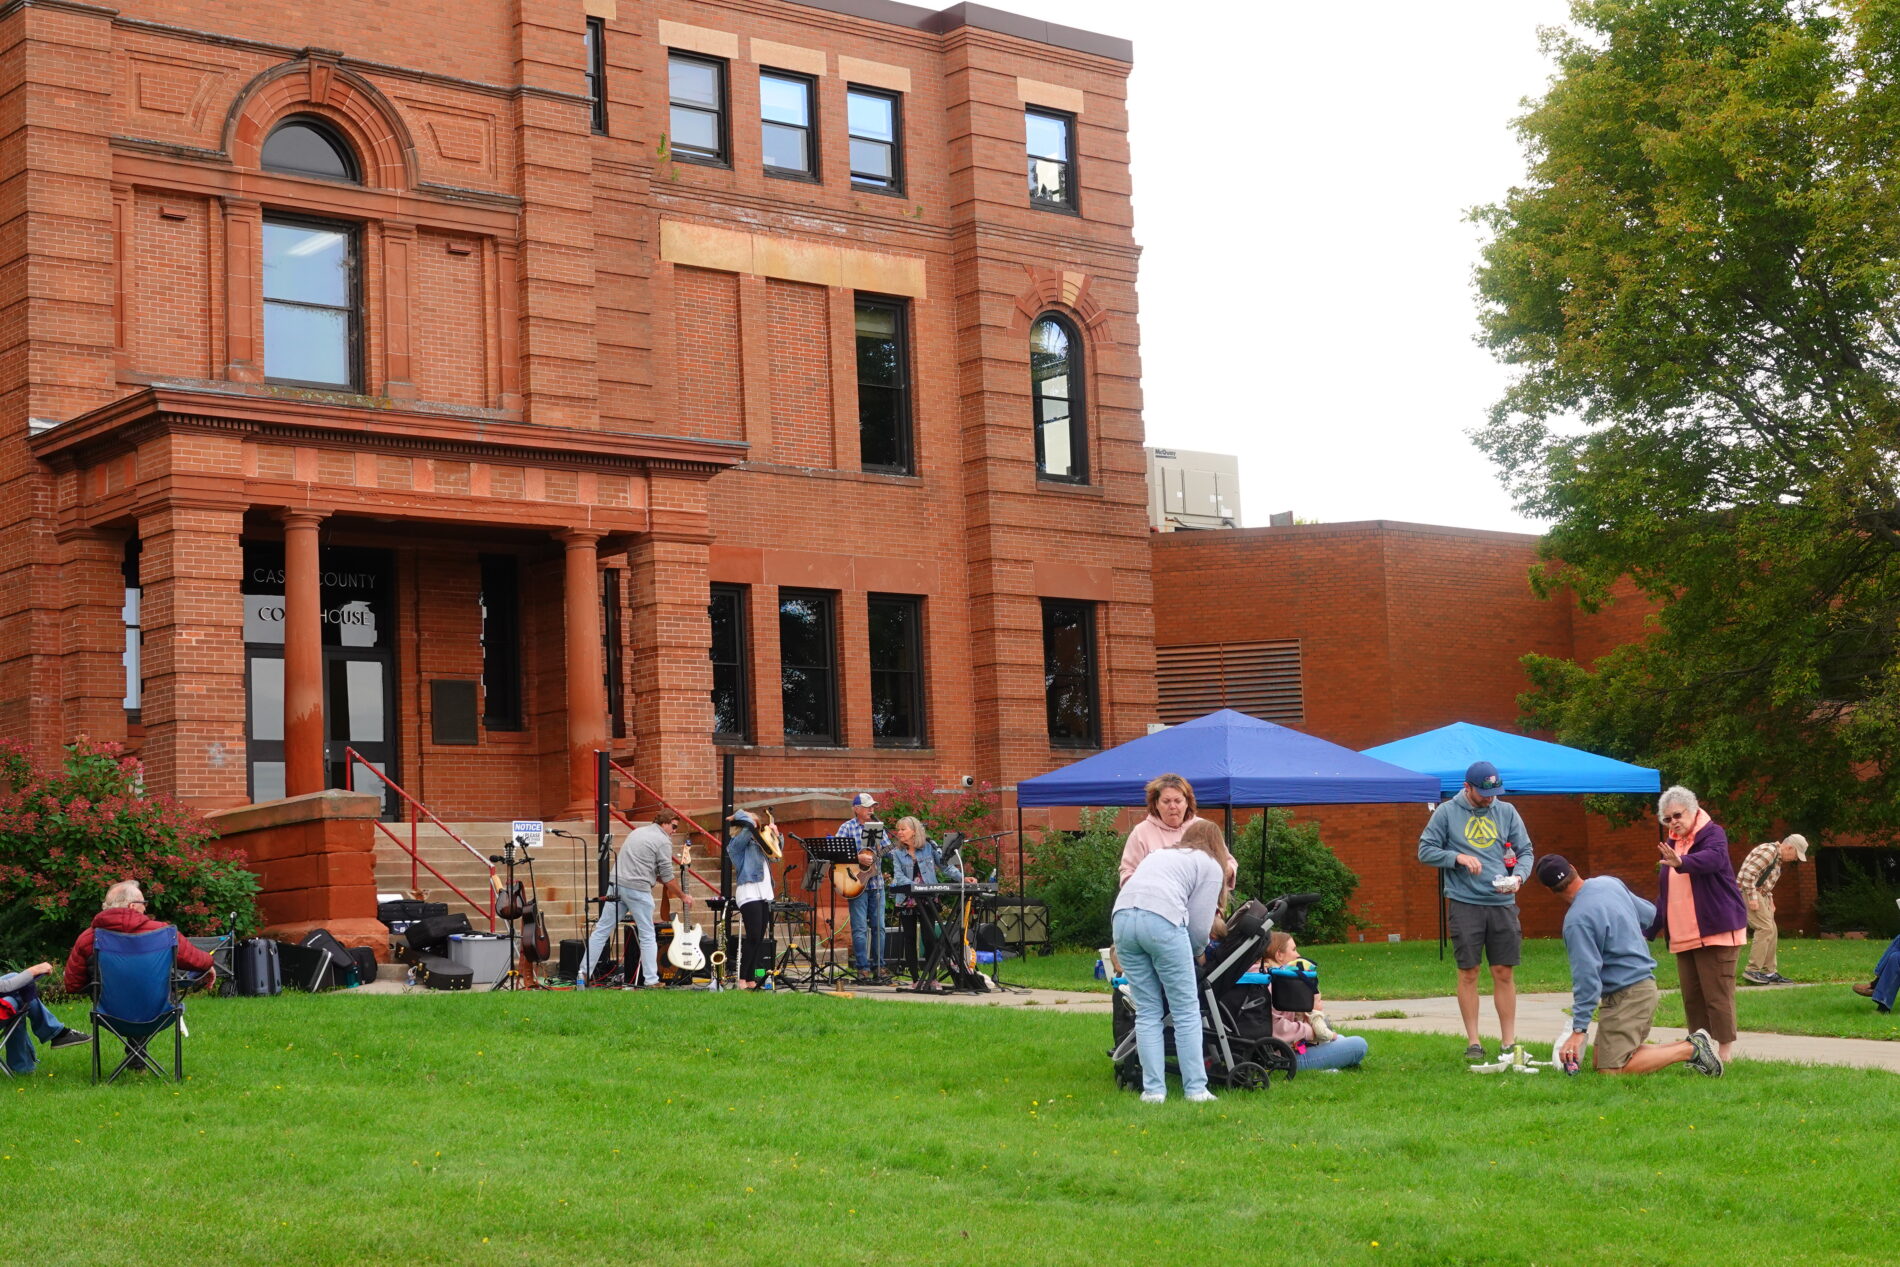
(1318, 1047)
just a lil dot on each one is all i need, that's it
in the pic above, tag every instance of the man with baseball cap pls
(1613, 976)
(1757, 876)
(1483, 852)
(867, 908)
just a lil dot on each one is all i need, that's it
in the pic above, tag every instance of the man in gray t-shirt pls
(646, 859)
(1483, 853)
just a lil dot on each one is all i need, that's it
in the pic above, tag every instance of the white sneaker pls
(1202, 1096)
(1154, 1097)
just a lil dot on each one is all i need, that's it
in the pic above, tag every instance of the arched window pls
(1055, 389)
(303, 146)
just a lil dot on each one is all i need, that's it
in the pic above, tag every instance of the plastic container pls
(486, 953)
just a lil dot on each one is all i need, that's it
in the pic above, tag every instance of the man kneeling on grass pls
(1610, 966)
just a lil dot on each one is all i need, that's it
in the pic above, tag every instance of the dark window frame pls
(1090, 673)
(503, 697)
(1077, 400)
(596, 44)
(906, 437)
(723, 112)
(354, 233)
(827, 600)
(740, 665)
(1072, 205)
(896, 188)
(612, 662)
(330, 133)
(811, 176)
(914, 636)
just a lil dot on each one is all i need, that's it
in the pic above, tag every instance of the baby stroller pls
(1236, 1018)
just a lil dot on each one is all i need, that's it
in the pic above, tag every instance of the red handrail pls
(418, 811)
(686, 818)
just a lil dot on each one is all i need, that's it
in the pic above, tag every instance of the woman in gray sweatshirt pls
(1163, 917)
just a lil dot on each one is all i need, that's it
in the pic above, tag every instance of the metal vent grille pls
(1261, 679)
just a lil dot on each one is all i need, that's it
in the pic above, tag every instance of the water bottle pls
(768, 985)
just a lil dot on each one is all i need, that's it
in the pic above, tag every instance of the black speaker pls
(768, 955)
(572, 953)
(988, 937)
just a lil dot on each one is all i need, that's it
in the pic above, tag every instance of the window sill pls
(1044, 484)
(798, 750)
(722, 164)
(883, 191)
(1055, 209)
(802, 178)
(829, 472)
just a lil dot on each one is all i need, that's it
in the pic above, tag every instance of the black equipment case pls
(258, 968)
(437, 972)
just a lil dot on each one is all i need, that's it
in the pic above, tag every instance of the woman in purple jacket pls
(1699, 908)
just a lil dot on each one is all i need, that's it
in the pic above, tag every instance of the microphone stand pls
(580, 913)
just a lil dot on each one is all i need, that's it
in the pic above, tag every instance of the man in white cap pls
(867, 908)
(1757, 876)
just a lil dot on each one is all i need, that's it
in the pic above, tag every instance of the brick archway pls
(1065, 292)
(316, 84)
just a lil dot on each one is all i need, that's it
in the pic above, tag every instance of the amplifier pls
(1020, 920)
(572, 953)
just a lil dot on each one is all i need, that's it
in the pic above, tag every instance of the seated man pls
(1886, 982)
(1610, 965)
(124, 912)
(20, 992)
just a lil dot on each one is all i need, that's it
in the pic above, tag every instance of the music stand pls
(830, 851)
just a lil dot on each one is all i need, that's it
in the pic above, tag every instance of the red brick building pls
(1363, 633)
(411, 378)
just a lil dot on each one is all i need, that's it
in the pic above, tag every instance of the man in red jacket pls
(125, 913)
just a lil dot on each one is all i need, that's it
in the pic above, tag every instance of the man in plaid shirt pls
(1757, 877)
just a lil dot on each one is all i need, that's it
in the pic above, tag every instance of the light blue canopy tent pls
(1529, 767)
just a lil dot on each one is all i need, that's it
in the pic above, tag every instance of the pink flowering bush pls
(971, 811)
(70, 831)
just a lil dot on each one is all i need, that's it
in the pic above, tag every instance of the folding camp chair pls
(18, 1019)
(134, 999)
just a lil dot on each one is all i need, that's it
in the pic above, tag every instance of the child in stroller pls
(1236, 1019)
(1297, 1016)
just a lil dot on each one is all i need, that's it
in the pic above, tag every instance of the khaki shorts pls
(1623, 1021)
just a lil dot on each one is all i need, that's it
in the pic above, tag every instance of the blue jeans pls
(627, 905)
(1342, 1053)
(867, 928)
(20, 1055)
(1887, 975)
(1159, 964)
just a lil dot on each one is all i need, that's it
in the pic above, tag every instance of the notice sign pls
(528, 832)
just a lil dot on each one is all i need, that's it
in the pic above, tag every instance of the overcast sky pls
(1337, 148)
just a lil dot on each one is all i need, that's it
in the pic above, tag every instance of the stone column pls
(586, 674)
(303, 655)
(92, 633)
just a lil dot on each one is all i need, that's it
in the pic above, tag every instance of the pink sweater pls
(1148, 836)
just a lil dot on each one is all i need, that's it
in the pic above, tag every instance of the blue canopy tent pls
(1529, 767)
(1231, 760)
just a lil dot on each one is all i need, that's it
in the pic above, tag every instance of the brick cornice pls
(157, 410)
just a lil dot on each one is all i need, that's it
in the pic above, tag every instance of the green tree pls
(1296, 861)
(1698, 286)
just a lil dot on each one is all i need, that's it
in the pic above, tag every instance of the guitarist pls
(646, 859)
(867, 908)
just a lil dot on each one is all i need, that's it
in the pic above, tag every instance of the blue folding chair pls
(133, 998)
(6, 1039)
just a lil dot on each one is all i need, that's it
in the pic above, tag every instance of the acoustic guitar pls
(534, 933)
(685, 953)
(850, 879)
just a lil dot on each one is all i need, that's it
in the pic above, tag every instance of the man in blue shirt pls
(1613, 976)
(867, 908)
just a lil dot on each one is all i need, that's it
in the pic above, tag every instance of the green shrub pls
(968, 810)
(1297, 861)
(70, 832)
(1075, 873)
(1860, 900)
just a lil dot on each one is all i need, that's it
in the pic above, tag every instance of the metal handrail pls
(634, 779)
(352, 759)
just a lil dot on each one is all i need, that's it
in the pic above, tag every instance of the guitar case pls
(365, 963)
(343, 965)
(438, 972)
(431, 936)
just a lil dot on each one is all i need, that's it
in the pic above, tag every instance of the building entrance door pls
(359, 669)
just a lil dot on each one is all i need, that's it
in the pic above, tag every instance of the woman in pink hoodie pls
(1170, 810)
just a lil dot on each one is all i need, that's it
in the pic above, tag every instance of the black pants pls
(758, 922)
(918, 936)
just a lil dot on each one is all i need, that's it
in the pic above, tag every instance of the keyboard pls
(975, 888)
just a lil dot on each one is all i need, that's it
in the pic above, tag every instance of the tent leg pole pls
(1442, 926)
(1022, 912)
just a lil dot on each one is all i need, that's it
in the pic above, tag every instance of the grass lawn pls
(1412, 969)
(1829, 1011)
(693, 1128)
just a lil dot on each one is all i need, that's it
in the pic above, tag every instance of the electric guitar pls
(685, 952)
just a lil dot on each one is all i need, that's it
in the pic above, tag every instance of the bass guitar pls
(685, 953)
